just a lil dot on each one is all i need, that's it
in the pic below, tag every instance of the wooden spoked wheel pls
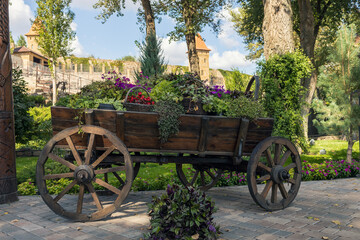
(203, 176)
(83, 175)
(274, 173)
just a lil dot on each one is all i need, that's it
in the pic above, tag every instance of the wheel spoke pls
(193, 180)
(94, 196)
(210, 173)
(60, 175)
(73, 150)
(269, 158)
(283, 191)
(64, 191)
(108, 170)
(284, 157)
(290, 166)
(274, 193)
(80, 199)
(89, 149)
(263, 178)
(108, 186)
(103, 156)
(202, 178)
(266, 190)
(291, 180)
(277, 153)
(263, 166)
(62, 161)
(119, 178)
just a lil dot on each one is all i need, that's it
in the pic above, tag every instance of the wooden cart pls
(115, 143)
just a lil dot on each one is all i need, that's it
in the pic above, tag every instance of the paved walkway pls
(322, 210)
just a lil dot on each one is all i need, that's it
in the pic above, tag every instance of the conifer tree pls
(151, 57)
(339, 82)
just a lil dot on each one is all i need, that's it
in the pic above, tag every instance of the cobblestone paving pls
(322, 210)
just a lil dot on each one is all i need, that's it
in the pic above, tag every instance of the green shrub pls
(182, 213)
(27, 188)
(281, 81)
(244, 107)
(23, 120)
(42, 128)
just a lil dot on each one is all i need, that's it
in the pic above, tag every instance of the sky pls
(117, 36)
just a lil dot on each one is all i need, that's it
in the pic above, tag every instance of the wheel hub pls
(84, 174)
(279, 174)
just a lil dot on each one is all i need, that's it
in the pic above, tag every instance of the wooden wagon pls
(114, 143)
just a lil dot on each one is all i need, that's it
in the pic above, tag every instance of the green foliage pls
(190, 16)
(235, 80)
(165, 90)
(52, 21)
(152, 61)
(337, 83)
(168, 122)
(183, 213)
(328, 16)
(27, 188)
(128, 58)
(21, 42)
(23, 120)
(281, 81)
(41, 128)
(245, 108)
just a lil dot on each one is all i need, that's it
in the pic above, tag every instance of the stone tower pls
(203, 54)
(31, 38)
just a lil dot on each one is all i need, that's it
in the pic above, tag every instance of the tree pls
(21, 42)
(277, 27)
(151, 59)
(53, 19)
(339, 81)
(109, 7)
(128, 58)
(314, 20)
(191, 17)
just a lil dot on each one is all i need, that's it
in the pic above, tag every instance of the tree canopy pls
(52, 21)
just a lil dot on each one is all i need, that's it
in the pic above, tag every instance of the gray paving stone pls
(238, 216)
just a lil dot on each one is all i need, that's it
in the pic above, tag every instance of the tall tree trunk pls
(350, 146)
(8, 182)
(54, 90)
(307, 41)
(192, 53)
(188, 13)
(277, 27)
(149, 17)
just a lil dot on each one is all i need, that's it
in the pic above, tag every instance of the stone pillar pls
(8, 183)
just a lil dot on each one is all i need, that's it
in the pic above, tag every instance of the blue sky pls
(116, 38)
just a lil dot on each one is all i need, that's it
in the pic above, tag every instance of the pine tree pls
(21, 42)
(339, 82)
(151, 57)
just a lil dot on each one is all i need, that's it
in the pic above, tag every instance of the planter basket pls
(136, 107)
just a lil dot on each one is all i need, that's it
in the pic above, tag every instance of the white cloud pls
(227, 35)
(88, 5)
(78, 49)
(228, 60)
(73, 26)
(20, 15)
(175, 52)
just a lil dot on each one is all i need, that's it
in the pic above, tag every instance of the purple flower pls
(212, 228)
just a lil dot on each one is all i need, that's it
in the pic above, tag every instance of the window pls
(202, 72)
(204, 60)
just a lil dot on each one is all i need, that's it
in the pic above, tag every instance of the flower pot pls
(192, 107)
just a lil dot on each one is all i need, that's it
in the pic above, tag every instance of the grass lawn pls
(335, 150)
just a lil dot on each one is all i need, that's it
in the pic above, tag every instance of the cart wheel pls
(274, 166)
(81, 175)
(199, 172)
